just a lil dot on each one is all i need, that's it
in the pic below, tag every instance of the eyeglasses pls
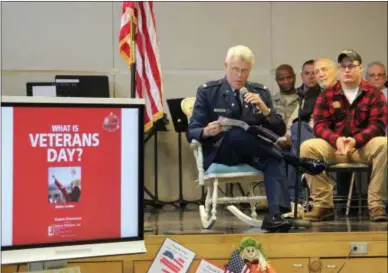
(343, 67)
(237, 71)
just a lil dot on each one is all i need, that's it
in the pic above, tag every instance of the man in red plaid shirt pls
(349, 122)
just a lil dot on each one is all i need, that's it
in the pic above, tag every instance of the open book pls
(257, 130)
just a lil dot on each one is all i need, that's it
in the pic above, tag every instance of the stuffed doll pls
(252, 253)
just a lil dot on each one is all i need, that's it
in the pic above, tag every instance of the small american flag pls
(170, 264)
(236, 264)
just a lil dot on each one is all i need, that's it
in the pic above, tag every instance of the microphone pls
(244, 91)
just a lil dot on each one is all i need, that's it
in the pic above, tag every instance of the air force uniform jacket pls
(215, 99)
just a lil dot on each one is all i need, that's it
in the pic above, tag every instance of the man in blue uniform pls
(222, 98)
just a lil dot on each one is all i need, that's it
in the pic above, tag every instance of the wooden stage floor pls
(171, 221)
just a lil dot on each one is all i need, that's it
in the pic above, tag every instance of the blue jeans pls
(306, 133)
(239, 146)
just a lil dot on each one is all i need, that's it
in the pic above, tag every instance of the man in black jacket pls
(308, 92)
(325, 73)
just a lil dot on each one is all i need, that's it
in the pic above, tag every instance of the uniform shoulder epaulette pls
(211, 84)
(256, 85)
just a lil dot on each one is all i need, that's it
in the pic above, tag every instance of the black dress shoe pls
(305, 165)
(311, 166)
(275, 223)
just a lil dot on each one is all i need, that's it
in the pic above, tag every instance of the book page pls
(229, 122)
(172, 257)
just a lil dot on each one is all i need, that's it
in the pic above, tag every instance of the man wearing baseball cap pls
(349, 122)
(351, 54)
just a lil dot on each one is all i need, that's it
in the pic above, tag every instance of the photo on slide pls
(64, 184)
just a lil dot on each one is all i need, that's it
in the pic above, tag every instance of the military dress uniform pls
(285, 105)
(216, 99)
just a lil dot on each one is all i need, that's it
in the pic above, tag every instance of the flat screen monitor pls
(87, 86)
(72, 178)
(47, 89)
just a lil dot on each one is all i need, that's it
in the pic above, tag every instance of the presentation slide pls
(69, 174)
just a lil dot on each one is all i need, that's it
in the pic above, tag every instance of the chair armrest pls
(197, 148)
(195, 144)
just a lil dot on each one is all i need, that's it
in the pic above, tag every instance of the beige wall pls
(39, 39)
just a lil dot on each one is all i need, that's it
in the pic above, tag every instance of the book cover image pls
(64, 184)
(66, 167)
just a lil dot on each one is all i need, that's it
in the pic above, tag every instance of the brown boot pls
(378, 214)
(320, 214)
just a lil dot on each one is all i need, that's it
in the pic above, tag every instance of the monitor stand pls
(49, 265)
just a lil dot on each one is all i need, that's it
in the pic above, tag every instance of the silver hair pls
(373, 64)
(330, 61)
(241, 52)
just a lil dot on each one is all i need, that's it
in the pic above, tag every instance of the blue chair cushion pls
(217, 168)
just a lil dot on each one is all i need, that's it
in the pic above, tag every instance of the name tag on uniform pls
(219, 110)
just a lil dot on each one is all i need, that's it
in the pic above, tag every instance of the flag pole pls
(154, 202)
(133, 57)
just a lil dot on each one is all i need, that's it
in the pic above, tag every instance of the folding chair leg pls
(350, 195)
(359, 195)
(252, 204)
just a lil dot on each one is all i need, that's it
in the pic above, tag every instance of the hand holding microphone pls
(254, 99)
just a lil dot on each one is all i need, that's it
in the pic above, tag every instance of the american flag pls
(144, 52)
(236, 264)
(170, 264)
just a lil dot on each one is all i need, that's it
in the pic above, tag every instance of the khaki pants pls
(374, 153)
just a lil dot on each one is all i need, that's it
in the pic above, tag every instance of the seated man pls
(325, 72)
(376, 74)
(308, 97)
(221, 98)
(286, 99)
(308, 93)
(349, 120)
